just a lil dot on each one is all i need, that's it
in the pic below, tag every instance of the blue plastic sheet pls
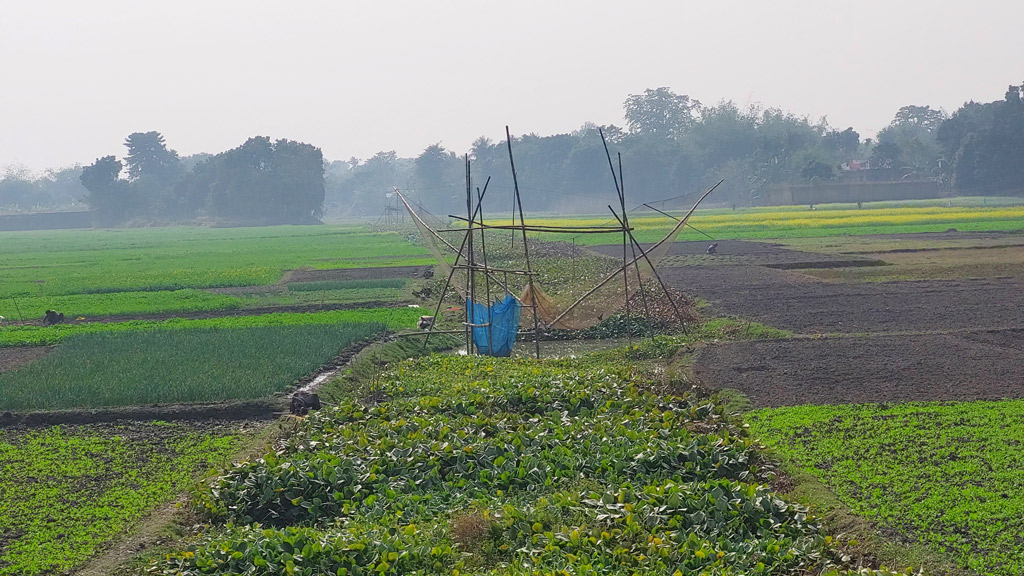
(504, 319)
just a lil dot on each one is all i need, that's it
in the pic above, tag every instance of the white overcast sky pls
(357, 77)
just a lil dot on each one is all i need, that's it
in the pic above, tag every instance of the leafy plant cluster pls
(945, 474)
(454, 465)
(66, 491)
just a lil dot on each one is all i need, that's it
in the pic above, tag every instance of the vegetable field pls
(156, 270)
(949, 475)
(66, 491)
(479, 465)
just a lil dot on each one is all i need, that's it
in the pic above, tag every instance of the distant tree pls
(921, 116)
(438, 172)
(886, 154)
(153, 171)
(909, 144)
(660, 112)
(18, 188)
(148, 155)
(817, 171)
(63, 186)
(267, 182)
(845, 143)
(985, 145)
(110, 197)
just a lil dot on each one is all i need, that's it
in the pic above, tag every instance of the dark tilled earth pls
(885, 342)
(851, 370)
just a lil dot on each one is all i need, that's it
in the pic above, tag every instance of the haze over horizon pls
(355, 79)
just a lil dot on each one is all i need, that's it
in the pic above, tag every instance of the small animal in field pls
(52, 317)
(713, 249)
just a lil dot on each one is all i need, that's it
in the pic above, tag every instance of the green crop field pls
(948, 475)
(800, 221)
(480, 465)
(182, 361)
(132, 271)
(31, 335)
(66, 491)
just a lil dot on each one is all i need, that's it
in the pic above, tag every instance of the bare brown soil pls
(13, 358)
(887, 341)
(985, 365)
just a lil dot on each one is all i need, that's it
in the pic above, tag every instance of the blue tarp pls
(504, 319)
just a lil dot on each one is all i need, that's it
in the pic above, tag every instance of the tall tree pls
(985, 145)
(266, 182)
(148, 155)
(923, 116)
(660, 112)
(438, 172)
(110, 197)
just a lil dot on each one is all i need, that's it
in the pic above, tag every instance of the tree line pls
(260, 182)
(672, 145)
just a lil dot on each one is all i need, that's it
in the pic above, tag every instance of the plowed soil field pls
(855, 342)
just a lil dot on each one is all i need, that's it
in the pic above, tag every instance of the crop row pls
(201, 364)
(948, 475)
(451, 465)
(31, 335)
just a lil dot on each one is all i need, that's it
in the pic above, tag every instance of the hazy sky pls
(355, 78)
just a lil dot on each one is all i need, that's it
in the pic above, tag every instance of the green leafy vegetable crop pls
(66, 491)
(948, 475)
(464, 465)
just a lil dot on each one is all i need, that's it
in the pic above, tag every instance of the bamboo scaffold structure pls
(479, 276)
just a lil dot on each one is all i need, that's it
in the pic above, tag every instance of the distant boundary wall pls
(846, 192)
(45, 221)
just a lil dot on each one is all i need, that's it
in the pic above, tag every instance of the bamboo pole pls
(526, 248)
(656, 275)
(451, 273)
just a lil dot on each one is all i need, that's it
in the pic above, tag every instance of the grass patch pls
(945, 475)
(175, 366)
(66, 491)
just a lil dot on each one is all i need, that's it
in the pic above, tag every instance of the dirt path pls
(14, 358)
